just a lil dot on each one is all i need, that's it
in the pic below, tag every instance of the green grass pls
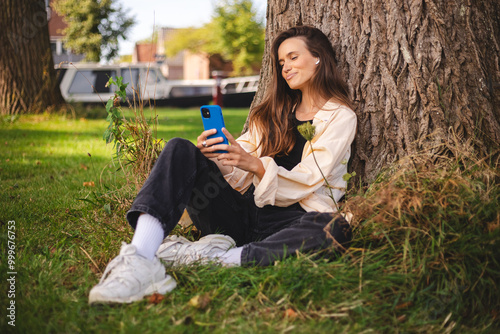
(424, 258)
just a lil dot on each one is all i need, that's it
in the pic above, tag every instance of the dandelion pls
(307, 130)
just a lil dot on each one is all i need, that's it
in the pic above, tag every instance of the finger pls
(227, 162)
(221, 147)
(207, 133)
(204, 135)
(214, 141)
(229, 136)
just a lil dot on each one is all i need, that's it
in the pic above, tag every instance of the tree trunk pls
(27, 76)
(421, 72)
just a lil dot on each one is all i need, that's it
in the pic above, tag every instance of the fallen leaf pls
(89, 184)
(38, 162)
(290, 313)
(404, 305)
(200, 302)
(82, 166)
(155, 298)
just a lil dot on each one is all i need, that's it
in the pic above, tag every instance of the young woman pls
(266, 195)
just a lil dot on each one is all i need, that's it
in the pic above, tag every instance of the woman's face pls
(297, 63)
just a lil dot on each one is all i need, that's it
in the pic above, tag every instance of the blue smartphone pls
(211, 116)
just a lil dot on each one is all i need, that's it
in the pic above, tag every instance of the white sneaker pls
(129, 277)
(177, 250)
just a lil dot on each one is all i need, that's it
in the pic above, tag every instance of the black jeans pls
(183, 178)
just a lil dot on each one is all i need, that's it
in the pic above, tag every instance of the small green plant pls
(9, 118)
(135, 139)
(347, 176)
(115, 131)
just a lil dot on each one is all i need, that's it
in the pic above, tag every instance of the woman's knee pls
(339, 232)
(182, 144)
(332, 229)
(176, 148)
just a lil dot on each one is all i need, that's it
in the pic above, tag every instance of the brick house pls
(185, 65)
(56, 26)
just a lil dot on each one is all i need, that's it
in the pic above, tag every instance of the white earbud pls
(317, 62)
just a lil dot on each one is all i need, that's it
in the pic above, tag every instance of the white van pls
(86, 83)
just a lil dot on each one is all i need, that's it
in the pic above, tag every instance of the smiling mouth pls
(289, 76)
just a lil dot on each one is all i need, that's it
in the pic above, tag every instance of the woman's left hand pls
(236, 156)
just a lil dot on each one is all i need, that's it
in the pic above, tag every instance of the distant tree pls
(27, 76)
(94, 26)
(235, 33)
(239, 35)
(192, 39)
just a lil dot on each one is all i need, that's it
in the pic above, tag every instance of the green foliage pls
(135, 139)
(235, 33)
(239, 35)
(307, 130)
(191, 39)
(347, 176)
(114, 131)
(94, 26)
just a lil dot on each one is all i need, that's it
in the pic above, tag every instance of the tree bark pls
(27, 76)
(422, 73)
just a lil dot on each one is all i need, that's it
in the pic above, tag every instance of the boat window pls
(149, 78)
(230, 86)
(130, 76)
(89, 82)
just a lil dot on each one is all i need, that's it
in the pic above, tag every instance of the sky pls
(169, 13)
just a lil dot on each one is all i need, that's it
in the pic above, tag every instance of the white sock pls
(231, 258)
(148, 236)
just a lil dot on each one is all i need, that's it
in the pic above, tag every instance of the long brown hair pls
(273, 116)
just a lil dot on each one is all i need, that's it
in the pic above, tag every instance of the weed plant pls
(436, 220)
(134, 139)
